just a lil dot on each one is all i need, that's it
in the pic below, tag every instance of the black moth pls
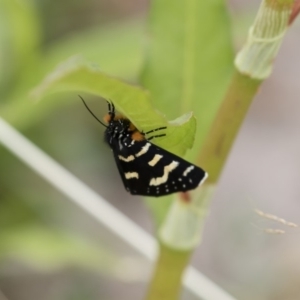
(145, 168)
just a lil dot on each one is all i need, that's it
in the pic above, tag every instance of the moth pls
(145, 168)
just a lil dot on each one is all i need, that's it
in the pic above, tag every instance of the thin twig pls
(275, 218)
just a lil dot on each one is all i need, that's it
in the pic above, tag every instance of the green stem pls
(227, 124)
(253, 65)
(166, 281)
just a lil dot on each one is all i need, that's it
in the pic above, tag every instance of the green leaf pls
(188, 65)
(116, 48)
(131, 101)
(189, 59)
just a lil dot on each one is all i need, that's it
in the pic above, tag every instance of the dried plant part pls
(275, 218)
(274, 231)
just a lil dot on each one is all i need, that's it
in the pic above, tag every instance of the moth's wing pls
(123, 167)
(149, 170)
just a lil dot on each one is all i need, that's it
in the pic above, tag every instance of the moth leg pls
(160, 128)
(155, 136)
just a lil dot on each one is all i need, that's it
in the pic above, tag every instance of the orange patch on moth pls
(107, 118)
(137, 136)
(119, 117)
(132, 127)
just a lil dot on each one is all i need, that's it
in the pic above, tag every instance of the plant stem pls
(166, 280)
(227, 124)
(295, 11)
(253, 65)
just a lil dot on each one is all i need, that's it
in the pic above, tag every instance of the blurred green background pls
(40, 228)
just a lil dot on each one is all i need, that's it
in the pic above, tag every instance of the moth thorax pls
(118, 130)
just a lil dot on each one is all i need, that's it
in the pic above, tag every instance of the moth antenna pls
(92, 112)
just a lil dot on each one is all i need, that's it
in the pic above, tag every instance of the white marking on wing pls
(144, 150)
(203, 179)
(167, 169)
(155, 160)
(129, 175)
(127, 159)
(188, 170)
